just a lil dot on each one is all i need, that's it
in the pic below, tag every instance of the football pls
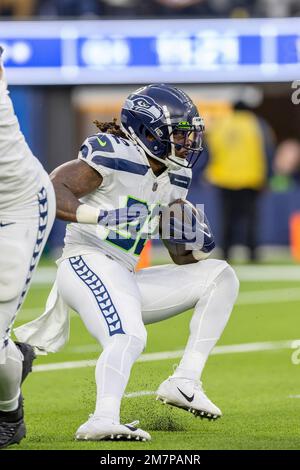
(175, 210)
(185, 232)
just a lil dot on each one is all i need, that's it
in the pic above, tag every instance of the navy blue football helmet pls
(153, 114)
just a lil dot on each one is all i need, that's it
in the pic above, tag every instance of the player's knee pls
(228, 275)
(133, 345)
(209, 269)
(219, 270)
(12, 274)
(227, 281)
(138, 333)
(139, 338)
(3, 351)
(9, 290)
(137, 346)
(215, 267)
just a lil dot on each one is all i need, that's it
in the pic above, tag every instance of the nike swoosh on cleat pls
(5, 225)
(131, 428)
(103, 144)
(189, 399)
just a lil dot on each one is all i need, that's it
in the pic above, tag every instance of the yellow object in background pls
(236, 152)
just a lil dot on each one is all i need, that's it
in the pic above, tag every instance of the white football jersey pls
(127, 180)
(19, 169)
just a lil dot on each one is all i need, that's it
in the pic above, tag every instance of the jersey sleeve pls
(3, 83)
(3, 90)
(98, 152)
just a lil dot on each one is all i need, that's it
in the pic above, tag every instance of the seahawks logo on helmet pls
(144, 105)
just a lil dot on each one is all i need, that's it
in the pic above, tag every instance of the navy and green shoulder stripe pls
(109, 151)
(97, 143)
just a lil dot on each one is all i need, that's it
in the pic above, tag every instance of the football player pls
(27, 211)
(145, 162)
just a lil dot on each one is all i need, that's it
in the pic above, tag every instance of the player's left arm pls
(193, 242)
(179, 254)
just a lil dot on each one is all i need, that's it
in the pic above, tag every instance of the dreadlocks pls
(110, 128)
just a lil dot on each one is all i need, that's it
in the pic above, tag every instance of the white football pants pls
(115, 304)
(23, 233)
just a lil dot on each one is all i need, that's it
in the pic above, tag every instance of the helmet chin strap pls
(173, 164)
(169, 124)
(134, 138)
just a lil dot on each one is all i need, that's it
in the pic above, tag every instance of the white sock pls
(10, 378)
(210, 317)
(112, 374)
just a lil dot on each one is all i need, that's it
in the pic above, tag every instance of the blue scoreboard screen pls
(139, 51)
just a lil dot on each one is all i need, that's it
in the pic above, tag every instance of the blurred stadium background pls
(69, 62)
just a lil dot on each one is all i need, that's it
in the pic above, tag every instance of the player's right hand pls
(120, 216)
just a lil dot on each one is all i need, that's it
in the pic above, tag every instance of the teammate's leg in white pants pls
(106, 296)
(22, 242)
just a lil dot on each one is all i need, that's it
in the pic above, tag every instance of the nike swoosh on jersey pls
(103, 144)
(5, 225)
(189, 399)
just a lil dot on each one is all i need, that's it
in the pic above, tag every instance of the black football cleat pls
(12, 426)
(29, 356)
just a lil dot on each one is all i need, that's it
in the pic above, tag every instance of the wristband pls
(86, 214)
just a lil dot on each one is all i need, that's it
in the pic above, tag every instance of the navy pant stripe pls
(43, 220)
(100, 294)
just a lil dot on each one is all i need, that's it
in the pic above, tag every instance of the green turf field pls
(257, 391)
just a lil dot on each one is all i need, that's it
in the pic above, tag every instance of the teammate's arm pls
(71, 181)
(1, 68)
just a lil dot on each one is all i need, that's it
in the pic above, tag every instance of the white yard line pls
(244, 347)
(291, 294)
(142, 393)
(46, 275)
(159, 356)
(268, 273)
